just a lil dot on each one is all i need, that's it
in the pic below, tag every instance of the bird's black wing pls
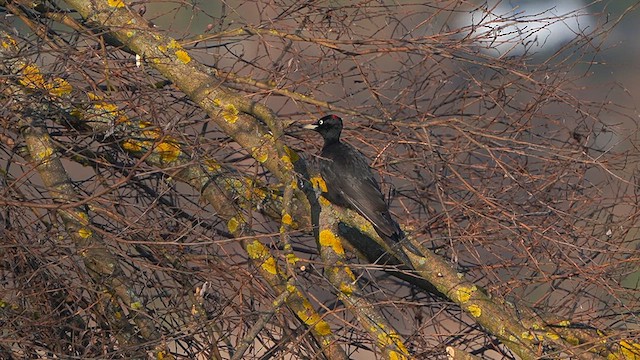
(351, 183)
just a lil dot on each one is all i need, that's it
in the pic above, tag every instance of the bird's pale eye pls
(320, 122)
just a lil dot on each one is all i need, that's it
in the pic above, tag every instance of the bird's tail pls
(401, 238)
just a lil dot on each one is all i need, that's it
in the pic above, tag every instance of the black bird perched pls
(351, 184)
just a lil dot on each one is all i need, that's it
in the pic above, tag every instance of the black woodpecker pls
(351, 184)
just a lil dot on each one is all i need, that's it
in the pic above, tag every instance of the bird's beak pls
(310, 127)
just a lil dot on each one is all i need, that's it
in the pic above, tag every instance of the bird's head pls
(329, 127)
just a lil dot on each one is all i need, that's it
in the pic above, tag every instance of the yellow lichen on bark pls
(85, 233)
(319, 183)
(463, 293)
(259, 154)
(287, 219)
(32, 77)
(183, 56)
(256, 250)
(312, 319)
(116, 3)
(474, 310)
(169, 151)
(233, 224)
(269, 265)
(327, 238)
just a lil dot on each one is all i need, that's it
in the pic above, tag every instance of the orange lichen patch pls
(59, 87)
(259, 154)
(318, 183)
(163, 355)
(349, 273)
(183, 56)
(168, 151)
(212, 165)
(150, 133)
(173, 44)
(327, 238)
(144, 124)
(286, 161)
(32, 77)
(93, 96)
(292, 258)
(9, 42)
(629, 350)
(287, 219)
(257, 251)
(115, 3)
(394, 355)
(252, 191)
(229, 112)
(132, 145)
(121, 118)
(322, 328)
(346, 288)
(84, 218)
(390, 338)
(312, 319)
(106, 109)
(323, 201)
(44, 153)
(291, 289)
